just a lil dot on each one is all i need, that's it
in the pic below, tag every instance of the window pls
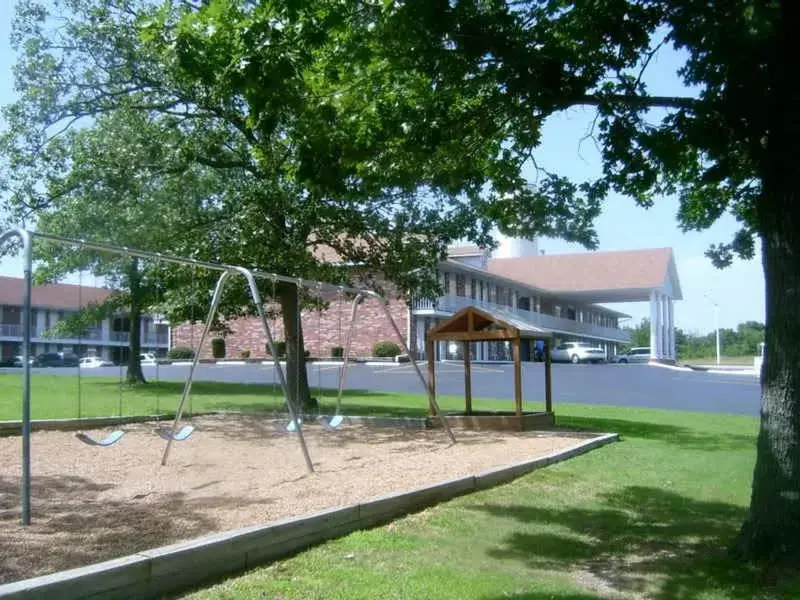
(446, 277)
(482, 297)
(523, 302)
(473, 285)
(461, 285)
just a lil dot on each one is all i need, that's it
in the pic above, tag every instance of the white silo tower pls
(511, 247)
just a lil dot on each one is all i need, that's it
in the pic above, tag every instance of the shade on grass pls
(649, 517)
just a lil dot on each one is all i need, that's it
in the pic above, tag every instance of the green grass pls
(56, 397)
(649, 517)
(724, 360)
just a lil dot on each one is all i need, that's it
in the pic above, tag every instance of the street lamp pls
(716, 322)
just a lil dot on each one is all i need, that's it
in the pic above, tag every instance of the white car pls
(634, 355)
(91, 362)
(148, 358)
(577, 352)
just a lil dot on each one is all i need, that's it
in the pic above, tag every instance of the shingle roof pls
(589, 271)
(486, 317)
(58, 295)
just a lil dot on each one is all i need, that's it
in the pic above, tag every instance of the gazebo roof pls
(475, 324)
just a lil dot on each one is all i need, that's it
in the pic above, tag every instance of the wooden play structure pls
(472, 324)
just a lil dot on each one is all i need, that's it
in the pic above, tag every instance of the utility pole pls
(716, 323)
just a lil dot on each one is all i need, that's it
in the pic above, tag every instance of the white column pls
(39, 326)
(671, 325)
(420, 337)
(654, 329)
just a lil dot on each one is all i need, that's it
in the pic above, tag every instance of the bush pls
(337, 352)
(218, 347)
(385, 349)
(244, 354)
(307, 353)
(180, 352)
(280, 348)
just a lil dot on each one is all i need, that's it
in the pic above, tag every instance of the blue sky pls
(622, 226)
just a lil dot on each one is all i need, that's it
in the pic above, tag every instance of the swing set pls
(177, 432)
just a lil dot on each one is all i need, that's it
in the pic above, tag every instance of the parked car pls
(91, 362)
(577, 352)
(148, 358)
(634, 355)
(56, 359)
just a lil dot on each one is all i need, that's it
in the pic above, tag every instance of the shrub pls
(337, 352)
(385, 349)
(280, 348)
(307, 353)
(180, 352)
(218, 347)
(244, 354)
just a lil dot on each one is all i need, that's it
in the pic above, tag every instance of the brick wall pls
(322, 330)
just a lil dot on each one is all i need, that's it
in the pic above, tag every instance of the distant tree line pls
(742, 341)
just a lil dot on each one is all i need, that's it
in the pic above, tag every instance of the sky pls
(738, 291)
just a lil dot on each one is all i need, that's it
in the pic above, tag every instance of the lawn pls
(729, 361)
(56, 397)
(648, 517)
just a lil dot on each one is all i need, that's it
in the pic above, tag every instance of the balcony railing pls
(452, 304)
(11, 330)
(149, 338)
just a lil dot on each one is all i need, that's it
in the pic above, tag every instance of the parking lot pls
(611, 384)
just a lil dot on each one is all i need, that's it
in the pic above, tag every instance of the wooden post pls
(548, 379)
(429, 350)
(517, 377)
(467, 377)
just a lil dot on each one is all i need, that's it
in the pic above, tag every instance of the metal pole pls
(26, 380)
(716, 326)
(293, 414)
(346, 356)
(384, 304)
(188, 385)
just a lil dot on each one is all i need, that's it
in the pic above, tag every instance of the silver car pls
(634, 355)
(577, 352)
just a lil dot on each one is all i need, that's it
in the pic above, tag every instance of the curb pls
(671, 367)
(170, 569)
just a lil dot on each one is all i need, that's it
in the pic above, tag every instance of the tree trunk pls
(296, 375)
(135, 374)
(772, 530)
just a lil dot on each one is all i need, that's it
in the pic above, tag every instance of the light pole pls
(716, 322)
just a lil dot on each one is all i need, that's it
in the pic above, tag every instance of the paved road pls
(625, 385)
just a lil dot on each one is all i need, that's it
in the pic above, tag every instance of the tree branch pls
(636, 101)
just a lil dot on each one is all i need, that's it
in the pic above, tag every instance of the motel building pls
(54, 302)
(561, 293)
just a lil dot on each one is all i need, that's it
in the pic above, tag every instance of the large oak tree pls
(320, 142)
(336, 115)
(730, 147)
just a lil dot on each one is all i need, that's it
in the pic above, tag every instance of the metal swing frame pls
(27, 238)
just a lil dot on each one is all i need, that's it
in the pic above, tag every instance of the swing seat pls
(111, 439)
(293, 425)
(182, 435)
(333, 423)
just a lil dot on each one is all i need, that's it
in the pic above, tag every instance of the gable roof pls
(482, 324)
(593, 272)
(51, 295)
